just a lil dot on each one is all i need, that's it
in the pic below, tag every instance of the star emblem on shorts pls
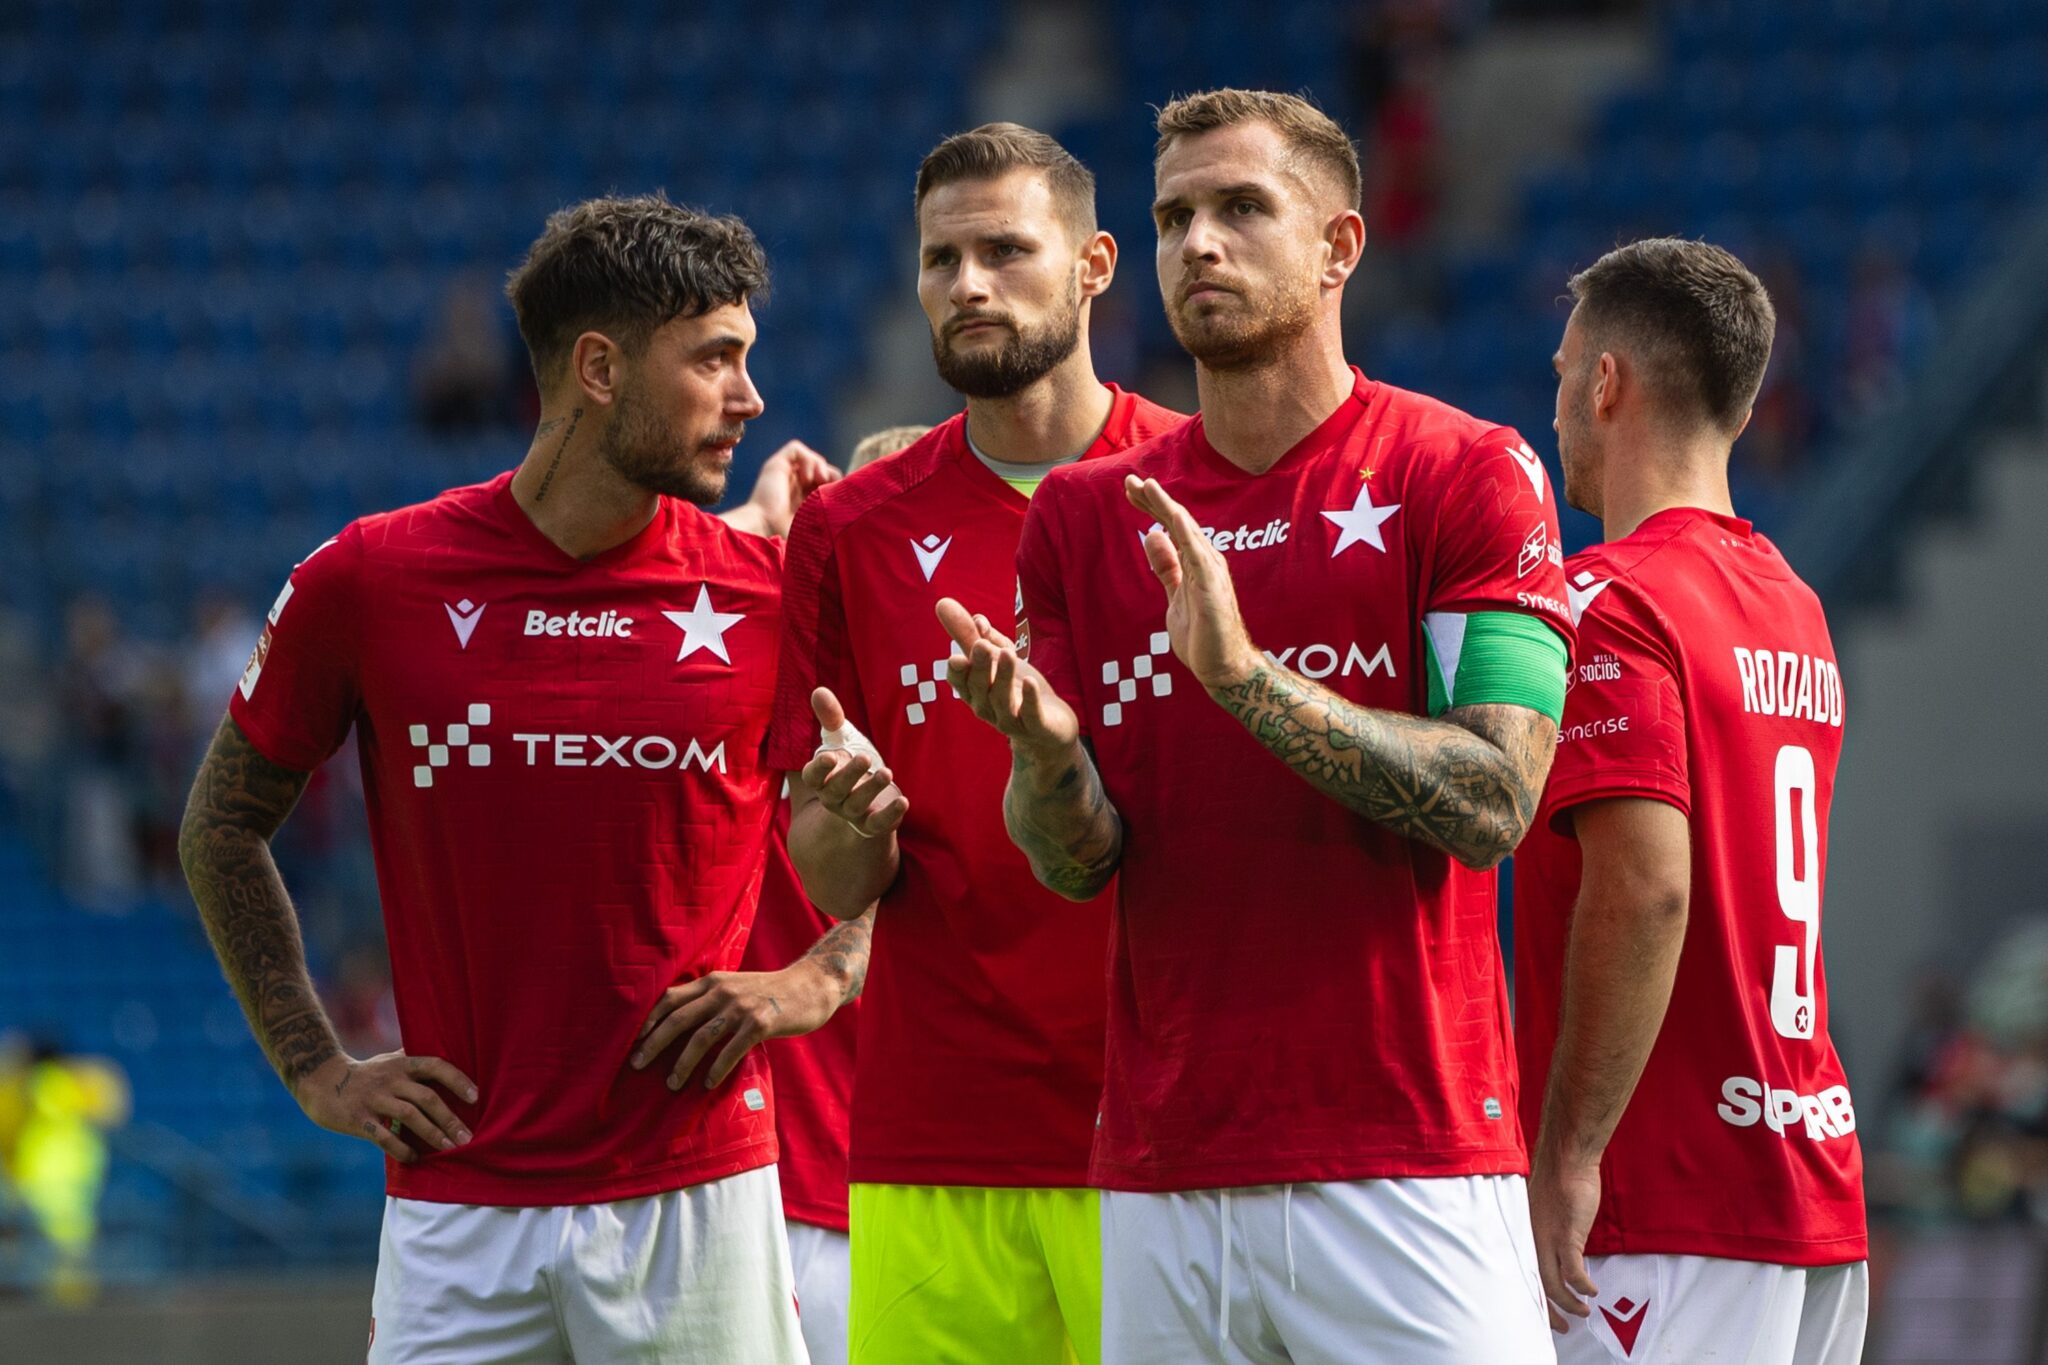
(1360, 524)
(704, 628)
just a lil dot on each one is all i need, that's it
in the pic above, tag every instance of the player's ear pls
(596, 364)
(1098, 264)
(1345, 235)
(1607, 385)
(1747, 413)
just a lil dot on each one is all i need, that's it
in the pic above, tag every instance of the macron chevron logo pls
(463, 616)
(1580, 592)
(1625, 1320)
(930, 551)
(1531, 465)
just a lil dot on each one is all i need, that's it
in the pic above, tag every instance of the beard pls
(1021, 361)
(652, 453)
(1576, 454)
(1245, 332)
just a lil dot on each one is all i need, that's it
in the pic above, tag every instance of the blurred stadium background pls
(249, 269)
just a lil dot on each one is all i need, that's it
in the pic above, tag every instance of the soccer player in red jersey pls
(560, 682)
(980, 1058)
(1693, 1135)
(813, 1082)
(1301, 778)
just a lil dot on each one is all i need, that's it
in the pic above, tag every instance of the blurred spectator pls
(876, 444)
(1384, 36)
(28, 711)
(467, 378)
(98, 682)
(223, 633)
(1402, 175)
(1782, 424)
(1890, 326)
(57, 1159)
(1970, 1138)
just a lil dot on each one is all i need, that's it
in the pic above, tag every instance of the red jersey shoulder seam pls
(866, 490)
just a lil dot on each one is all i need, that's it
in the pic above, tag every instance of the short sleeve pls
(1042, 628)
(1624, 717)
(1497, 545)
(814, 651)
(301, 691)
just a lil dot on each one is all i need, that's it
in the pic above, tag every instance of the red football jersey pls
(814, 1072)
(1296, 993)
(569, 812)
(981, 1028)
(1705, 678)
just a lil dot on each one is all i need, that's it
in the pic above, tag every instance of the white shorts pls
(824, 1273)
(1671, 1309)
(1437, 1271)
(698, 1275)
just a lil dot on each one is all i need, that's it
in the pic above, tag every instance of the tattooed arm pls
(1466, 783)
(1059, 816)
(1054, 806)
(238, 802)
(742, 1009)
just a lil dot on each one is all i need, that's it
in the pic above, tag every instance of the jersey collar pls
(1114, 436)
(1305, 451)
(514, 516)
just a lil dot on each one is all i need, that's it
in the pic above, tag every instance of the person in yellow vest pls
(58, 1160)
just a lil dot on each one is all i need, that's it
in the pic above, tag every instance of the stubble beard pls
(1576, 455)
(1249, 335)
(652, 454)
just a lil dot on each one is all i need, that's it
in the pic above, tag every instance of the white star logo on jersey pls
(463, 616)
(930, 551)
(1531, 465)
(704, 628)
(1361, 523)
(1581, 590)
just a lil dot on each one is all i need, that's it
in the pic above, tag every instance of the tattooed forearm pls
(547, 480)
(238, 801)
(1061, 819)
(843, 952)
(1466, 783)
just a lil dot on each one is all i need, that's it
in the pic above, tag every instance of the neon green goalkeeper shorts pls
(960, 1275)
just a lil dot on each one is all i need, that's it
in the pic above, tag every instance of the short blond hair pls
(887, 441)
(1312, 134)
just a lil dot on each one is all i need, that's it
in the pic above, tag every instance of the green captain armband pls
(1493, 658)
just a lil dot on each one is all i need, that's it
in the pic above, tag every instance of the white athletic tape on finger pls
(849, 738)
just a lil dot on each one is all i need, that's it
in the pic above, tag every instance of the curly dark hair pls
(1694, 317)
(624, 265)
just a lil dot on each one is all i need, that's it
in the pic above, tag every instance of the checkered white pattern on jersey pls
(925, 689)
(459, 737)
(1144, 669)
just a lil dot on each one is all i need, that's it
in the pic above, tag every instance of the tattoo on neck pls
(547, 480)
